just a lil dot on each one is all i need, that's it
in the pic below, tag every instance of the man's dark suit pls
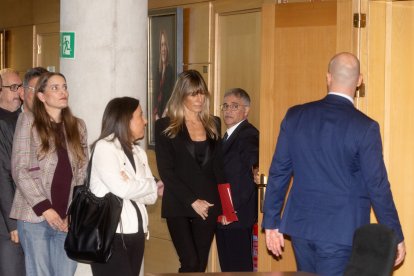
(11, 254)
(234, 241)
(334, 152)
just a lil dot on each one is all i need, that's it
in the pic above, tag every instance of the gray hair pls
(33, 73)
(239, 93)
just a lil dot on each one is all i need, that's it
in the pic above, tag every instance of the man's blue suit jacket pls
(334, 153)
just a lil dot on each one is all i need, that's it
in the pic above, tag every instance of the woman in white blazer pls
(120, 166)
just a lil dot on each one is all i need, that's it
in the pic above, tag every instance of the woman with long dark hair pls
(187, 145)
(120, 166)
(49, 158)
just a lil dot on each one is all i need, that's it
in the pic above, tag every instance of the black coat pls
(240, 154)
(7, 185)
(184, 179)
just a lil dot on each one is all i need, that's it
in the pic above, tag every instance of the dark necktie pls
(225, 137)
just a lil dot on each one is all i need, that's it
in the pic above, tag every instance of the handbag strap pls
(140, 222)
(88, 171)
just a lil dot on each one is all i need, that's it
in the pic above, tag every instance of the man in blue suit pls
(240, 158)
(334, 152)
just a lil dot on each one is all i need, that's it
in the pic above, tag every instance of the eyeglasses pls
(29, 88)
(231, 107)
(13, 87)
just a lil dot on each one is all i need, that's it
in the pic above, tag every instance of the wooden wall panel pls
(400, 142)
(15, 13)
(390, 63)
(19, 48)
(197, 24)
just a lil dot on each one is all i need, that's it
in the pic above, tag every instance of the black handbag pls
(92, 224)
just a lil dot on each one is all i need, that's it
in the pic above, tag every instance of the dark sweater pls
(62, 179)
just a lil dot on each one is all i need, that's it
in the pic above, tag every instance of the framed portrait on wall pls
(165, 61)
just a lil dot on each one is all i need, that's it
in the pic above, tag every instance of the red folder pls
(226, 203)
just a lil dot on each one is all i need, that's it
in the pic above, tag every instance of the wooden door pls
(237, 61)
(387, 55)
(46, 46)
(298, 40)
(237, 56)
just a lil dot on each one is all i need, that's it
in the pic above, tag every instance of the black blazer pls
(184, 179)
(240, 154)
(7, 186)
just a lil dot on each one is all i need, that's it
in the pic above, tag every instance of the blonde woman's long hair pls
(189, 82)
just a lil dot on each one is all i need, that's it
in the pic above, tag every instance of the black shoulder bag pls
(92, 223)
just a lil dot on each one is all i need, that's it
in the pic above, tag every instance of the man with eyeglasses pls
(240, 159)
(11, 253)
(9, 93)
(29, 83)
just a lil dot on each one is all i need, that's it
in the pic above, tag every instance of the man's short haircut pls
(8, 71)
(239, 93)
(33, 73)
(5, 71)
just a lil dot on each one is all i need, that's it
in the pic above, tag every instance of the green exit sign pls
(67, 44)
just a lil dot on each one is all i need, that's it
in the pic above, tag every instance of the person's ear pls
(246, 111)
(21, 94)
(40, 96)
(328, 79)
(360, 78)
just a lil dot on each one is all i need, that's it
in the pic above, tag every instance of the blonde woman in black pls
(189, 162)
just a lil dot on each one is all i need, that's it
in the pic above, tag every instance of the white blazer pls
(109, 160)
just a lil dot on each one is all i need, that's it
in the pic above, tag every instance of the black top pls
(130, 157)
(62, 178)
(7, 186)
(189, 170)
(5, 113)
(200, 150)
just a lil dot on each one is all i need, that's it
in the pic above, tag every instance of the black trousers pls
(234, 247)
(11, 257)
(192, 239)
(126, 259)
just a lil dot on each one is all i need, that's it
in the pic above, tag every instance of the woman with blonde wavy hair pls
(49, 158)
(164, 78)
(187, 146)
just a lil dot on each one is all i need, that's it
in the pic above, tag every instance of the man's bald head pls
(344, 73)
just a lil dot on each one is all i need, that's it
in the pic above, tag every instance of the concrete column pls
(110, 55)
(110, 59)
